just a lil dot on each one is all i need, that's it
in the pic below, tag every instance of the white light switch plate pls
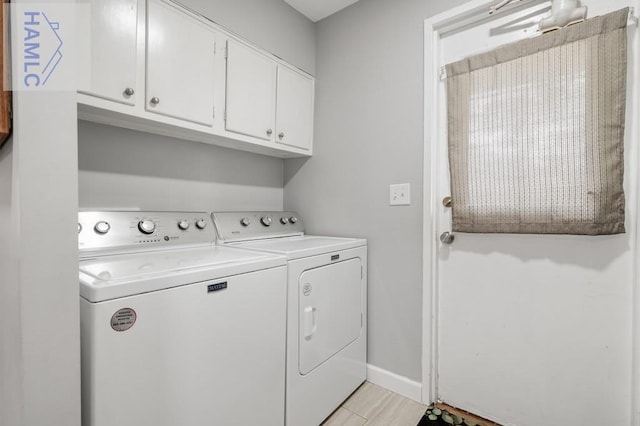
(400, 194)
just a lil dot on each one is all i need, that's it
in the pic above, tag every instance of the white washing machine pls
(326, 313)
(176, 330)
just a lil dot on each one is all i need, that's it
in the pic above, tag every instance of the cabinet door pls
(294, 110)
(251, 92)
(180, 64)
(112, 57)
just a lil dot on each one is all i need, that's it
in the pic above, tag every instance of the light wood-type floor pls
(372, 405)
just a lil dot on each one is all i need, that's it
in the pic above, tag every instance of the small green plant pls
(434, 414)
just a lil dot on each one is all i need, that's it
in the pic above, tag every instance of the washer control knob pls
(147, 226)
(201, 224)
(293, 219)
(184, 224)
(79, 228)
(284, 220)
(245, 221)
(102, 227)
(266, 220)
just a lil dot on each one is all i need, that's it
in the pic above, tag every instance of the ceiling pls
(319, 9)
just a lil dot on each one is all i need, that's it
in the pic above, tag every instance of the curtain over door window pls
(536, 133)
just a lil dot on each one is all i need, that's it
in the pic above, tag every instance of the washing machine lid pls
(114, 276)
(302, 246)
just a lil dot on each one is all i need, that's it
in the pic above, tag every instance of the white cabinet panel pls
(294, 109)
(251, 92)
(113, 50)
(180, 64)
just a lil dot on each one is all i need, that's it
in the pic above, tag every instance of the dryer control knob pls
(201, 224)
(102, 227)
(266, 220)
(245, 221)
(293, 219)
(284, 220)
(147, 226)
(184, 224)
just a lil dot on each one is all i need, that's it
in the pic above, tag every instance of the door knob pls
(447, 237)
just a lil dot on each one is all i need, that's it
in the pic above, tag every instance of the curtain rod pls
(633, 20)
(497, 7)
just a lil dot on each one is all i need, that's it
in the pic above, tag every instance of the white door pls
(113, 50)
(180, 71)
(329, 311)
(532, 329)
(294, 109)
(251, 92)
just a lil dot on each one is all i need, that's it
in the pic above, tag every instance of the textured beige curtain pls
(536, 133)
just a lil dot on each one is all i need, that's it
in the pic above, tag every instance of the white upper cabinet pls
(160, 68)
(267, 100)
(112, 58)
(294, 109)
(180, 64)
(251, 92)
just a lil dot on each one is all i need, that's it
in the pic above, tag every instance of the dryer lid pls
(302, 246)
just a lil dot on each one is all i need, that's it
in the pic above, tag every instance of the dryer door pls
(330, 311)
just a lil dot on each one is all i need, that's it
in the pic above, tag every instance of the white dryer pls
(174, 329)
(326, 313)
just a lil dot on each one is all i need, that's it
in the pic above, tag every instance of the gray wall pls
(10, 339)
(270, 24)
(126, 169)
(369, 134)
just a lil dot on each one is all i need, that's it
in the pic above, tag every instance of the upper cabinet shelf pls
(159, 68)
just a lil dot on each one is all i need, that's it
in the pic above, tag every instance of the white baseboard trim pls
(394, 382)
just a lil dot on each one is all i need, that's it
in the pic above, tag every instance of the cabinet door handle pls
(129, 91)
(154, 101)
(269, 132)
(281, 135)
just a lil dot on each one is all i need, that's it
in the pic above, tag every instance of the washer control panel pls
(234, 226)
(107, 230)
